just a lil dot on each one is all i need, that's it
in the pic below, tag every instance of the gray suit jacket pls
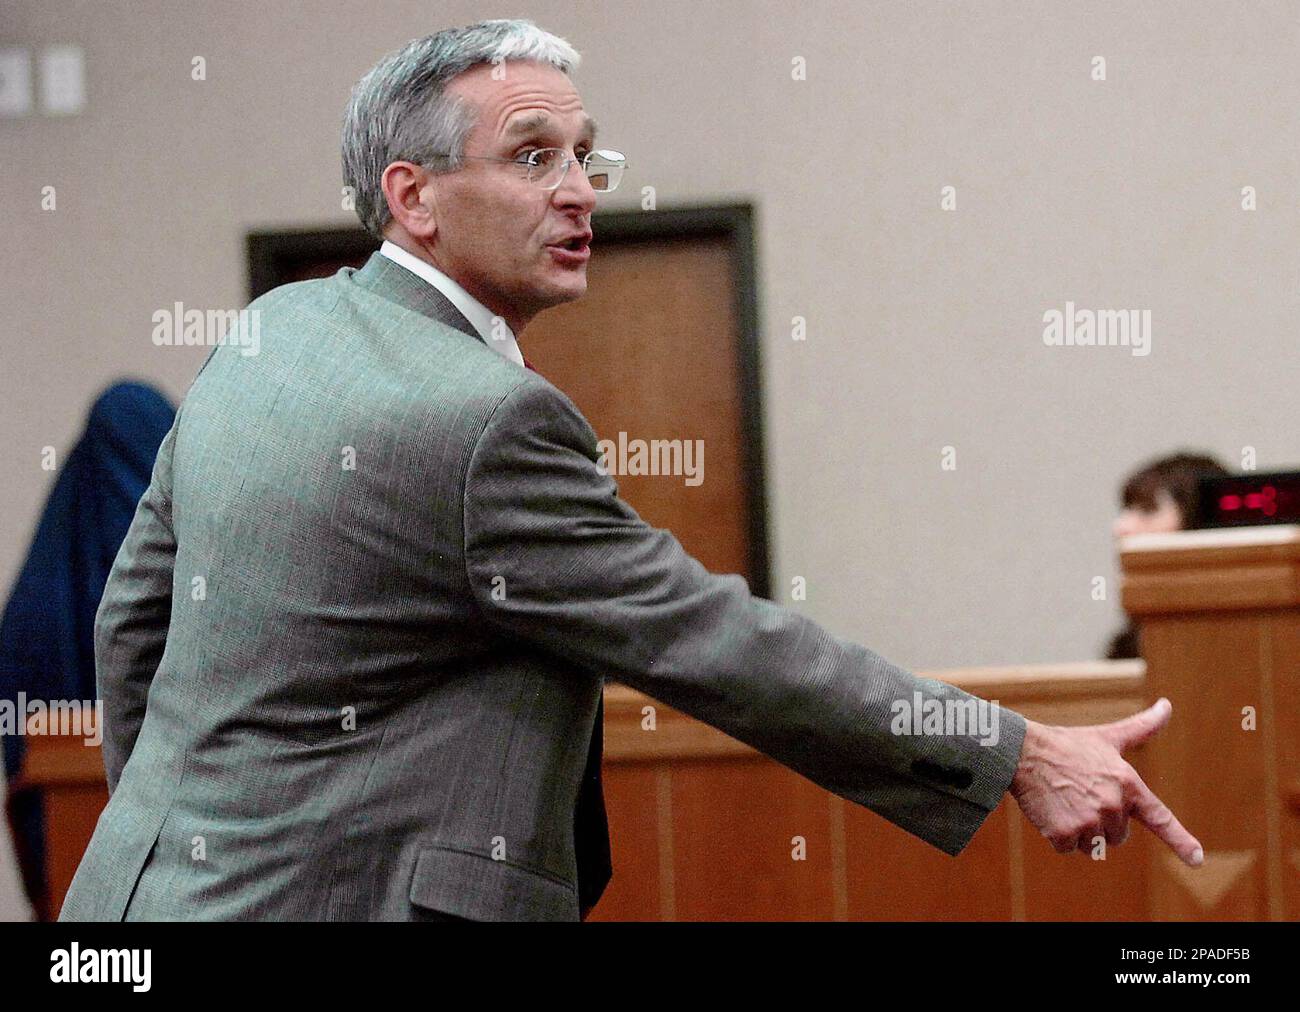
(352, 651)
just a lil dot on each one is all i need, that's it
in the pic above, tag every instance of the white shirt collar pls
(496, 333)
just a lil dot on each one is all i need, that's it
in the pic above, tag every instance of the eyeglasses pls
(547, 167)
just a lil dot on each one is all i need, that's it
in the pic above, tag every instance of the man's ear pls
(411, 197)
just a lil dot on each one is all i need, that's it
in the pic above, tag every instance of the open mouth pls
(571, 253)
(574, 244)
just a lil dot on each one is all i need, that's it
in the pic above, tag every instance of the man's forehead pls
(529, 97)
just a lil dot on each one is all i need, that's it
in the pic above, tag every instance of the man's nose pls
(575, 190)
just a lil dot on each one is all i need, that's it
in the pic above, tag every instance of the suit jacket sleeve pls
(578, 573)
(134, 614)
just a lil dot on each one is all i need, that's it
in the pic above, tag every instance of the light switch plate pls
(15, 82)
(63, 80)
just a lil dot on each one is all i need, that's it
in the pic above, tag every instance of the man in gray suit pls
(352, 651)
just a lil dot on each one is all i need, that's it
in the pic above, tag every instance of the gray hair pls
(400, 111)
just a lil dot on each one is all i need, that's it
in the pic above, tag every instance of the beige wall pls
(925, 326)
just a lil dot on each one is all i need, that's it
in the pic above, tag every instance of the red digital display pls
(1238, 500)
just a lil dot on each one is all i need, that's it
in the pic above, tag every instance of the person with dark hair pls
(1160, 496)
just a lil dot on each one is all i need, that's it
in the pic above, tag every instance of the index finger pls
(1156, 816)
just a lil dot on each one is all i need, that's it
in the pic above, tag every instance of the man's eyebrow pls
(538, 121)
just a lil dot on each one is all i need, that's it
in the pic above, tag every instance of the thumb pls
(1140, 727)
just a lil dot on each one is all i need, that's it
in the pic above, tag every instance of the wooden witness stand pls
(705, 828)
(1219, 612)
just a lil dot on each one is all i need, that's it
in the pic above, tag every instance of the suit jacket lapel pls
(394, 282)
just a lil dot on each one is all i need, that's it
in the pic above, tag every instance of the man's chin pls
(569, 290)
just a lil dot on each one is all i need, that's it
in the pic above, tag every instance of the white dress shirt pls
(499, 337)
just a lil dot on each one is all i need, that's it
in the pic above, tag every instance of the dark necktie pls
(590, 823)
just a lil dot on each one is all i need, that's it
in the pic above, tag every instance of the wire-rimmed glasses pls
(547, 167)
